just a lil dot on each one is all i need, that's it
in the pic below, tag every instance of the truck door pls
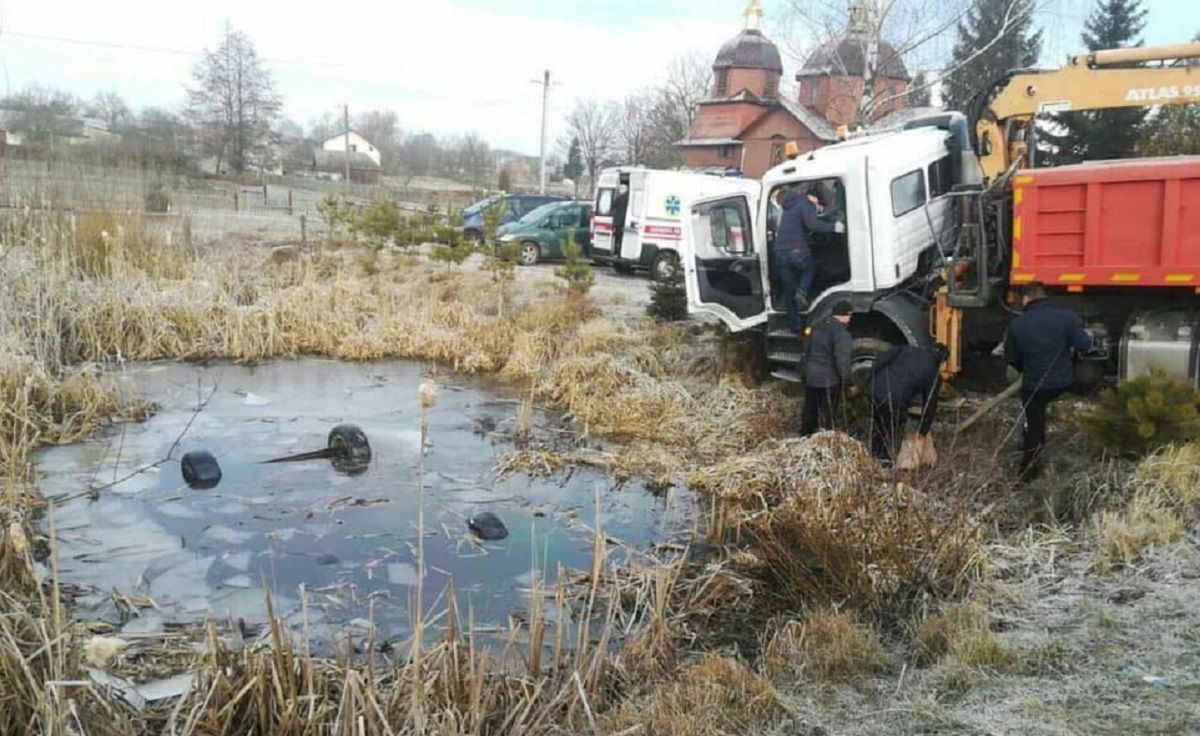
(722, 260)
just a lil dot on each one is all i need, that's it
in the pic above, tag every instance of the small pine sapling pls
(668, 298)
(576, 272)
(1143, 414)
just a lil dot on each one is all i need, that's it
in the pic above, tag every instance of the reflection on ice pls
(349, 541)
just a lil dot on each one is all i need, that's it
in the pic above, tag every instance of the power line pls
(309, 62)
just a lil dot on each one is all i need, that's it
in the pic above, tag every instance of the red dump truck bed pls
(1114, 223)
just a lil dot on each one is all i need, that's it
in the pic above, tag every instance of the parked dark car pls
(516, 206)
(543, 233)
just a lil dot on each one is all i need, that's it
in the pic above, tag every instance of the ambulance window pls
(604, 203)
(908, 192)
(722, 228)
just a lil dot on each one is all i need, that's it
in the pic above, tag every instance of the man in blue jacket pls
(903, 376)
(793, 261)
(1039, 345)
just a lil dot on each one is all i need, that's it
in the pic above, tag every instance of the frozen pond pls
(349, 540)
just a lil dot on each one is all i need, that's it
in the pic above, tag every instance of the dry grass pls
(826, 645)
(714, 696)
(938, 634)
(1165, 499)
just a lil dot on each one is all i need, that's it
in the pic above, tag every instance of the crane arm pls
(1095, 81)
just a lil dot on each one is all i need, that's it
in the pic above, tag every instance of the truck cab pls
(891, 190)
(648, 237)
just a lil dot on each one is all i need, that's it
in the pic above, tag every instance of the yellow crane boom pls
(1096, 81)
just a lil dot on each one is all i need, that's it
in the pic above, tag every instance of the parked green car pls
(543, 232)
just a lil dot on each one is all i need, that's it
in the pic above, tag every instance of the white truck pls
(659, 201)
(893, 191)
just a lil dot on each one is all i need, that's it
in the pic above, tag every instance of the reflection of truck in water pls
(945, 222)
(653, 223)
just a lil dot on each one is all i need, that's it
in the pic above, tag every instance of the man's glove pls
(839, 227)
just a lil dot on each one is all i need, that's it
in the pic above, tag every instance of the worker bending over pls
(1039, 345)
(826, 369)
(903, 376)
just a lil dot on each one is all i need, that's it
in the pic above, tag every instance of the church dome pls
(750, 49)
(847, 58)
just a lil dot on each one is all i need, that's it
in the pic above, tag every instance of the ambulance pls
(653, 226)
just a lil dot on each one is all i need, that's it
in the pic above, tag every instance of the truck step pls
(786, 374)
(788, 357)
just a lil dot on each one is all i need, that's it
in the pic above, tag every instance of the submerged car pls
(545, 231)
(516, 206)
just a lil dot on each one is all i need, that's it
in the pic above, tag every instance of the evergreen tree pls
(918, 91)
(1101, 134)
(996, 37)
(573, 169)
(1173, 130)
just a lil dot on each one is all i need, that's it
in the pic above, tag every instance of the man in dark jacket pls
(793, 261)
(903, 376)
(826, 369)
(1039, 346)
(620, 205)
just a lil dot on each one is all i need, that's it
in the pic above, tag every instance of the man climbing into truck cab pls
(902, 376)
(793, 260)
(826, 369)
(1039, 345)
(620, 207)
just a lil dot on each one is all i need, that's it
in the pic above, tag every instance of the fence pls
(282, 208)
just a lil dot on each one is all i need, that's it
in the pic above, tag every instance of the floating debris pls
(487, 526)
(200, 470)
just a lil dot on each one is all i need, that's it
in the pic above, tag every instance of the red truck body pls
(1130, 223)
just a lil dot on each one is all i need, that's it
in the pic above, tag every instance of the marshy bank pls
(833, 596)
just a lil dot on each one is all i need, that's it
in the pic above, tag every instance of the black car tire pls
(530, 254)
(352, 451)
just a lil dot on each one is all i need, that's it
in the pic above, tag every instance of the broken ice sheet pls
(402, 573)
(223, 535)
(253, 399)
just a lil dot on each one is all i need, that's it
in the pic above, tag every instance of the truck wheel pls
(864, 352)
(530, 253)
(665, 266)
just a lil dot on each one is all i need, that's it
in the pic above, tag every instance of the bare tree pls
(919, 32)
(633, 120)
(382, 128)
(109, 107)
(593, 124)
(234, 103)
(474, 158)
(673, 109)
(40, 115)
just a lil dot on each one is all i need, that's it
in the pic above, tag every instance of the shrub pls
(830, 645)
(668, 298)
(577, 272)
(380, 224)
(334, 213)
(1143, 414)
(157, 199)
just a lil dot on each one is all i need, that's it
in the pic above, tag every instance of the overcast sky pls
(446, 66)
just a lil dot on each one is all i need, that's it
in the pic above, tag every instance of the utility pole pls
(545, 82)
(346, 123)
